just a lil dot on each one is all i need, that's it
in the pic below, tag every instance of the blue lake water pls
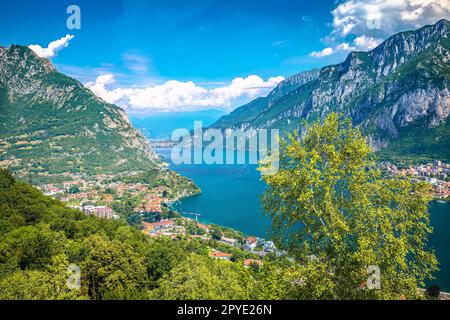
(440, 240)
(231, 197)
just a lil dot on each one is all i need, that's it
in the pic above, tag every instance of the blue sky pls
(145, 50)
(185, 40)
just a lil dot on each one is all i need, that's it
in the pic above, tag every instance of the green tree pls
(162, 256)
(111, 266)
(30, 247)
(216, 232)
(202, 278)
(74, 189)
(331, 207)
(49, 284)
(284, 280)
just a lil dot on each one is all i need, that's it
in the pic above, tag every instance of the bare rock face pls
(64, 125)
(294, 82)
(420, 103)
(400, 85)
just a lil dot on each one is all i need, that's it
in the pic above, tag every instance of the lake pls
(231, 193)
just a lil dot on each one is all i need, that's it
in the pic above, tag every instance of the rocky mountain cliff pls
(51, 123)
(398, 93)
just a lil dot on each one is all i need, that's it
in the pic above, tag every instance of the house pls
(152, 204)
(250, 262)
(148, 227)
(250, 243)
(99, 211)
(152, 208)
(68, 184)
(51, 190)
(92, 194)
(202, 237)
(163, 224)
(229, 241)
(160, 228)
(220, 255)
(108, 198)
(203, 227)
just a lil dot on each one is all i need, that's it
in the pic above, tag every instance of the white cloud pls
(176, 95)
(386, 17)
(364, 43)
(361, 43)
(369, 22)
(345, 46)
(320, 54)
(52, 48)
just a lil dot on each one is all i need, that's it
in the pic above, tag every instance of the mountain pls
(397, 93)
(51, 123)
(252, 110)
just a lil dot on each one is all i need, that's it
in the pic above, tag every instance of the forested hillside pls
(50, 123)
(333, 217)
(40, 237)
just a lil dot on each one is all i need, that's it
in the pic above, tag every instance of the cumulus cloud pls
(386, 17)
(176, 95)
(361, 43)
(345, 46)
(325, 52)
(52, 48)
(366, 23)
(364, 43)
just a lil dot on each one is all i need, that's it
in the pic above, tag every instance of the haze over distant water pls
(161, 125)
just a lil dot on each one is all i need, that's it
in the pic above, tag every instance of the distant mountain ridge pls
(162, 125)
(253, 109)
(51, 123)
(392, 92)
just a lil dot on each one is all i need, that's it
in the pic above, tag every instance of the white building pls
(99, 211)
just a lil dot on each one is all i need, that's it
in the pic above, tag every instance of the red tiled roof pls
(147, 225)
(202, 226)
(249, 262)
(162, 223)
(218, 254)
(251, 240)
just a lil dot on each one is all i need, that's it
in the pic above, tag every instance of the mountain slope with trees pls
(400, 87)
(51, 123)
